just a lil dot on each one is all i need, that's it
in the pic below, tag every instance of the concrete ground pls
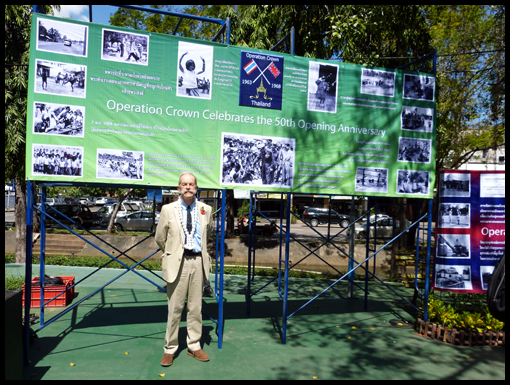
(119, 334)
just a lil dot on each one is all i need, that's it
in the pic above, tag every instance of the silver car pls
(384, 228)
(137, 221)
(104, 213)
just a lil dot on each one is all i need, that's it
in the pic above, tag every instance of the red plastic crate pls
(51, 291)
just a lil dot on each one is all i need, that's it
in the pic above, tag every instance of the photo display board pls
(119, 106)
(470, 229)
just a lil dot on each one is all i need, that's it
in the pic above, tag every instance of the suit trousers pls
(188, 284)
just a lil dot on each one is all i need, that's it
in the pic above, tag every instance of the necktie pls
(189, 221)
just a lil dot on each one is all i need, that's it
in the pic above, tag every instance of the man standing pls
(182, 233)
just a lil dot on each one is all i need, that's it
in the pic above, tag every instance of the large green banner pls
(117, 106)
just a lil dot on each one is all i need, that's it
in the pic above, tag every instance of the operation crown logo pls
(261, 81)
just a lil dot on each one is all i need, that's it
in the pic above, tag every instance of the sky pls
(100, 13)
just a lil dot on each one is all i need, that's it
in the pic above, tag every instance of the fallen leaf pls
(349, 337)
(126, 353)
(400, 324)
(72, 364)
(468, 357)
(314, 377)
(337, 326)
(372, 328)
(162, 375)
(354, 327)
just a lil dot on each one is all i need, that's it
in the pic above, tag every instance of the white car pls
(101, 201)
(104, 213)
(54, 201)
(86, 202)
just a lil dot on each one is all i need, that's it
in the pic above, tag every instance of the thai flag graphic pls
(250, 67)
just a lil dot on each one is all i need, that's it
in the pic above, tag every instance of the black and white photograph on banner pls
(58, 119)
(454, 215)
(486, 273)
(414, 150)
(417, 119)
(119, 164)
(454, 246)
(125, 47)
(413, 182)
(60, 37)
(375, 82)
(419, 87)
(194, 70)
(51, 160)
(64, 79)
(455, 185)
(453, 277)
(369, 179)
(322, 87)
(258, 161)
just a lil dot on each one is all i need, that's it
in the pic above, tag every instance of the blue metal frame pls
(349, 275)
(252, 249)
(225, 23)
(353, 265)
(225, 32)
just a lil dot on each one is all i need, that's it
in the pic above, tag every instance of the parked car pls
(102, 216)
(70, 200)
(316, 216)
(86, 202)
(140, 204)
(101, 201)
(374, 217)
(80, 214)
(54, 201)
(384, 228)
(137, 221)
(104, 200)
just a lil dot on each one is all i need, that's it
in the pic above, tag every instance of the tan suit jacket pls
(170, 238)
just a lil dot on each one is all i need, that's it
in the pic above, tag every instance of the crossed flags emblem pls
(261, 83)
(252, 66)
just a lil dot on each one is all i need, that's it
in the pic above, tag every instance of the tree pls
(470, 40)
(17, 44)
(154, 22)
(122, 195)
(380, 35)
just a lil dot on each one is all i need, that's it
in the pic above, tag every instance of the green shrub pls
(464, 312)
